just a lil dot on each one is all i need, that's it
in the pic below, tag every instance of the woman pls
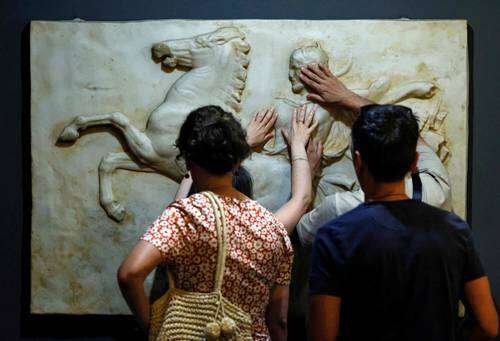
(259, 254)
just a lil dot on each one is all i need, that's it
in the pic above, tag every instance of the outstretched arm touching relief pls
(301, 127)
(327, 89)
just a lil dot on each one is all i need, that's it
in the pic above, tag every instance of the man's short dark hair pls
(386, 136)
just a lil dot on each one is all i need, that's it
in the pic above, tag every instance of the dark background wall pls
(484, 170)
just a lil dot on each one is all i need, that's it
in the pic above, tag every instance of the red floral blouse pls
(259, 253)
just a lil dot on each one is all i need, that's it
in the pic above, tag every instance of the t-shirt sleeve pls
(284, 273)
(473, 268)
(327, 265)
(310, 222)
(332, 207)
(166, 233)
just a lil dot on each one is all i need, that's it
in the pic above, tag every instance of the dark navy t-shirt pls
(399, 268)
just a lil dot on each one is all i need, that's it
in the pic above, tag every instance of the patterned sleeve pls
(166, 233)
(284, 273)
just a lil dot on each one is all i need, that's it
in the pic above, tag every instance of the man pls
(393, 268)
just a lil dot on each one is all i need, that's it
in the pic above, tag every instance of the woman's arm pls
(277, 313)
(143, 259)
(301, 127)
(184, 187)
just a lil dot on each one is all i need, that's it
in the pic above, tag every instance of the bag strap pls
(221, 228)
(417, 187)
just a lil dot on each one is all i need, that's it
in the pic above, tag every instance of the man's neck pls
(385, 191)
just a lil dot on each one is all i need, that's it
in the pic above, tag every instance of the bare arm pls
(297, 137)
(324, 317)
(329, 90)
(478, 295)
(277, 313)
(184, 188)
(131, 275)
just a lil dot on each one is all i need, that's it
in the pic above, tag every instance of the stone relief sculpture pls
(217, 63)
(110, 96)
(334, 123)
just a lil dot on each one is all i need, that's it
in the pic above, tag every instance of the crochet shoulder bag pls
(182, 315)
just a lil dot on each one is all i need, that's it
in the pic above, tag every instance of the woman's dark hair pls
(386, 137)
(212, 139)
(242, 181)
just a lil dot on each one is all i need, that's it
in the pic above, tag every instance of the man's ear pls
(413, 166)
(358, 161)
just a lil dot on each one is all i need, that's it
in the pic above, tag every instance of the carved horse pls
(217, 63)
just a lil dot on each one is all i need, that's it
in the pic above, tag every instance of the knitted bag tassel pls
(182, 315)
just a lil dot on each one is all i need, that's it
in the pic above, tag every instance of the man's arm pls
(326, 283)
(328, 89)
(436, 189)
(277, 313)
(324, 317)
(478, 295)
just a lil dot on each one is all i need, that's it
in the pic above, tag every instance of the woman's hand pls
(297, 137)
(259, 130)
(301, 127)
(314, 155)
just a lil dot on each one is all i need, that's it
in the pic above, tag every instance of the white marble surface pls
(83, 68)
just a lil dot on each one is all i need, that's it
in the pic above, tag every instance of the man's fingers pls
(309, 82)
(326, 70)
(315, 97)
(314, 68)
(311, 73)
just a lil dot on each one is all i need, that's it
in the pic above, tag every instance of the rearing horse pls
(217, 61)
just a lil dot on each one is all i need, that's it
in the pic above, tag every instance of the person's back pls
(405, 263)
(258, 256)
(394, 268)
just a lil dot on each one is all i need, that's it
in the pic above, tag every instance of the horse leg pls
(109, 164)
(417, 89)
(139, 142)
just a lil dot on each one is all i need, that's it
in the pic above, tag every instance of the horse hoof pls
(116, 211)
(69, 134)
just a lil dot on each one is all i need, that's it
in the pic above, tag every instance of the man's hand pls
(328, 89)
(314, 154)
(259, 130)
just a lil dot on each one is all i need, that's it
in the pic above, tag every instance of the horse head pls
(203, 49)
(221, 56)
